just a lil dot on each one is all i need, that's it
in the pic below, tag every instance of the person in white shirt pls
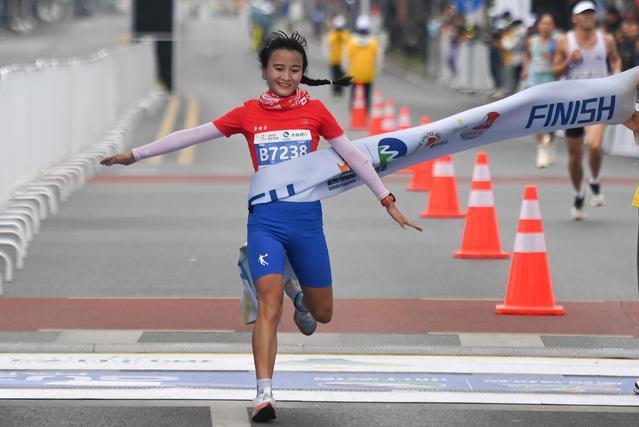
(584, 53)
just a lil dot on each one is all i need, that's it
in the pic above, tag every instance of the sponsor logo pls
(262, 259)
(572, 113)
(432, 139)
(481, 127)
(343, 167)
(390, 149)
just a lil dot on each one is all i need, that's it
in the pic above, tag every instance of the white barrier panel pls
(52, 110)
(620, 141)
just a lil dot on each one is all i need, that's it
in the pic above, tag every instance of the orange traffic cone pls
(358, 112)
(389, 122)
(404, 118)
(411, 169)
(422, 176)
(375, 126)
(443, 202)
(481, 234)
(529, 288)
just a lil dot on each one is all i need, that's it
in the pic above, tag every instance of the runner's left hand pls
(633, 122)
(399, 217)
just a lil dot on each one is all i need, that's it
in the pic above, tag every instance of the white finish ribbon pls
(543, 108)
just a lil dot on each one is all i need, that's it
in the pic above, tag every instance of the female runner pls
(283, 116)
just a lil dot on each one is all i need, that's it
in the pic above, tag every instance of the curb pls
(245, 348)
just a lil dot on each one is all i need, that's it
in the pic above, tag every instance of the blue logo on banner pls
(390, 149)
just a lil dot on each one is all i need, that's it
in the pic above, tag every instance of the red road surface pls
(408, 316)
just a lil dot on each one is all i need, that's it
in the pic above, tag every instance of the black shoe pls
(636, 388)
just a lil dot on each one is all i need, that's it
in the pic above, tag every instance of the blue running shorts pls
(294, 229)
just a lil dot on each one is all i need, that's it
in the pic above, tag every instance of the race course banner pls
(544, 108)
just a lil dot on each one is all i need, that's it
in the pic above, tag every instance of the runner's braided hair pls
(296, 42)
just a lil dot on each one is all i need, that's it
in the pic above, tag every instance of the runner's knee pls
(323, 314)
(270, 309)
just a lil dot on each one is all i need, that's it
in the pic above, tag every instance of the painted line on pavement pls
(187, 155)
(324, 363)
(166, 125)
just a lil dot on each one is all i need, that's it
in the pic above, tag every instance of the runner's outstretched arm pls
(361, 165)
(172, 142)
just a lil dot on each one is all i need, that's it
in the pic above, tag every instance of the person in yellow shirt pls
(338, 38)
(363, 56)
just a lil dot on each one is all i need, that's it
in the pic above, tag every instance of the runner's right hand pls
(119, 159)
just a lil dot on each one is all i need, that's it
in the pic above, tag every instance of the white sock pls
(581, 193)
(264, 385)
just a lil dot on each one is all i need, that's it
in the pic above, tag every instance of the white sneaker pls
(264, 407)
(304, 320)
(542, 157)
(498, 94)
(546, 152)
(597, 200)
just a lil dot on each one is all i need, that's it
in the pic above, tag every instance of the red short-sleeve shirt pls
(274, 136)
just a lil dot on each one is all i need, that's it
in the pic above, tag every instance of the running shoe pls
(542, 157)
(636, 387)
(597, 200)
(304, 320)
(264, 408)
(578, 211)
(546, 152)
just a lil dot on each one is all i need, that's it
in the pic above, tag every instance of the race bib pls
(281, 145)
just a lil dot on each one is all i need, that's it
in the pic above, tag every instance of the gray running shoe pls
(304, 320)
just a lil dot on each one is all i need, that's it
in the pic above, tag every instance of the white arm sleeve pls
(360, 164)
(177, 141)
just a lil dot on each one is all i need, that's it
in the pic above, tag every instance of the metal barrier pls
(473, 68)
(57, 120)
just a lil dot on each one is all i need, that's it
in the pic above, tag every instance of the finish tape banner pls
(557, 105)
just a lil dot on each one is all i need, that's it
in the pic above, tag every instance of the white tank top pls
(594, 62)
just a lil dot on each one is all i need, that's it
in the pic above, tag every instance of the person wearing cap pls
(363, 58)
(584, 53)
(337, 39)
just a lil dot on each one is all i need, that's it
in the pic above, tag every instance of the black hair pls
(297, 43)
